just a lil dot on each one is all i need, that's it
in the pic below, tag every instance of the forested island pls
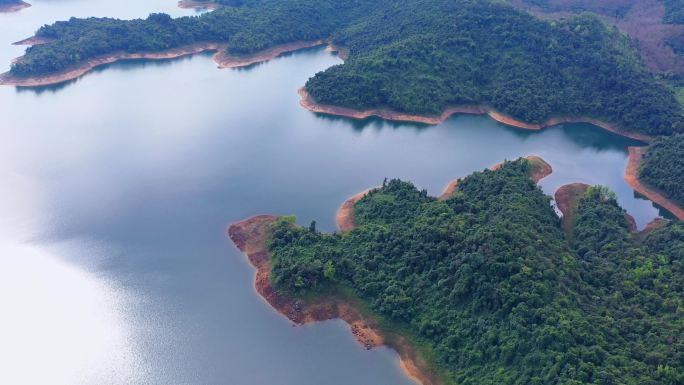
(485, 286)
(417, 57)
(12, 5)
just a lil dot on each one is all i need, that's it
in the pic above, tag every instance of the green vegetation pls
(416, 56)
(425, 58)
(488, 285)
(663, 167)
(255, 26)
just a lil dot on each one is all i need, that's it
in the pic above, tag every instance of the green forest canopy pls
(486, 284)
(415, 56)
(663, 167)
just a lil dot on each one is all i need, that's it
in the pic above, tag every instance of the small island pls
(12, 5)
(484, 285)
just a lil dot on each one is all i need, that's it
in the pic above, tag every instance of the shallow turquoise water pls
(118, 187)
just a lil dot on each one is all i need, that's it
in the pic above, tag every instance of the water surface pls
(118, 187)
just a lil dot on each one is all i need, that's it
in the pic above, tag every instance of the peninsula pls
(222, 57)
(483, 279)
(307, 102)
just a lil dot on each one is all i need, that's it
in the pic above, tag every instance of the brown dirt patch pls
(345, 214)
(567, 198)
(643, 21)
(651, 227)
(33, 40)
(540, 169)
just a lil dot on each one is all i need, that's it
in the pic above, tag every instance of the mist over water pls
(118, 187)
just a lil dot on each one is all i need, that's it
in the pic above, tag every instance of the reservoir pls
(117, 189)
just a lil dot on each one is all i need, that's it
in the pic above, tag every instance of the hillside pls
(488, 288)
(663, 167)
(417, 56)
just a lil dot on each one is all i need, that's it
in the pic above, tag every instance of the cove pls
(129, 176)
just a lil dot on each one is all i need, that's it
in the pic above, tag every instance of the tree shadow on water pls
(372, 122)
(124, 65)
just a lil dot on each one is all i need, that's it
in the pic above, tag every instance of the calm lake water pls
(118, 187)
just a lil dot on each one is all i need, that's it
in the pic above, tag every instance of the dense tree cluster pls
(663, 167)
(425, 56)
(415, 56)
(247, 26)
(487, 285)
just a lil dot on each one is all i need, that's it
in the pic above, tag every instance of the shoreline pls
(567, 198)
(345, 214)
(223, 60)
(308, 103)
(541, 171)
(8, 8)
(632, 179)
(226, 60)
(33, 40)
(251, 235)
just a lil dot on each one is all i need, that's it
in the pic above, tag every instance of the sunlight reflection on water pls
(67, 321)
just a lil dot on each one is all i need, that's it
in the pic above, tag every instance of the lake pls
(118, 188)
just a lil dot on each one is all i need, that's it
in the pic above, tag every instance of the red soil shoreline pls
(14, 7)
(33, 40)
(566, 198)
(222, 59)
(307, 102)
(345, 214)
(226, 60)
(542, 170)
(632, 178)
(251, 235)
